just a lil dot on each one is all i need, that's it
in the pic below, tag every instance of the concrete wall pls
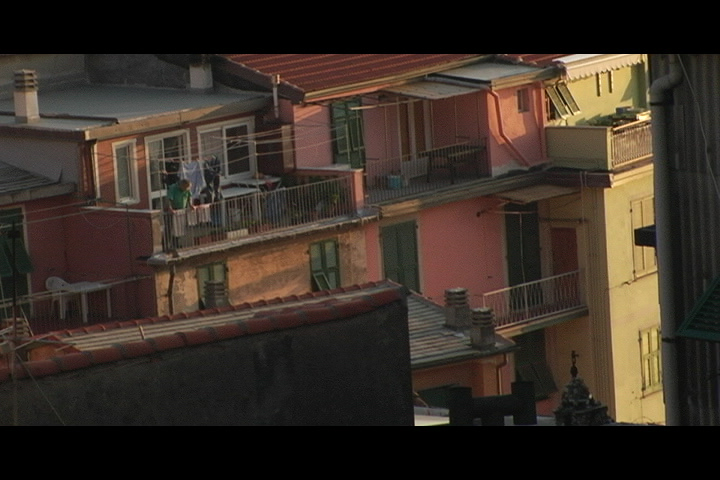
(352, 371)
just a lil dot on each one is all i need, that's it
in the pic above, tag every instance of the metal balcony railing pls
(258, 212)
(387, 179)
(631, 142)
(530, 301)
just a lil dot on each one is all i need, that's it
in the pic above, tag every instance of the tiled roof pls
(315, 72)
(433, 344)
(112, 342)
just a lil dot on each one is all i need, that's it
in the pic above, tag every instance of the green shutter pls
(400, 255)
(324, 265)
(22, 259)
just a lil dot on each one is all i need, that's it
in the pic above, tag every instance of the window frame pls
(523, 99)
(212, 270)
(650, 342)
(348, 148)
(321, 277)
(222, 128)
(132, 172)
(156, 195)
(644, 258)
(561, 101)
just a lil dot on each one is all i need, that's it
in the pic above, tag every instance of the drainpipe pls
(501, 129)
(660, 112)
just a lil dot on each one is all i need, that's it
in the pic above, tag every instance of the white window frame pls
(162, 192)
(132, 172)
(221, 129)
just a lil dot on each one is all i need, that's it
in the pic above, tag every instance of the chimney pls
(482, 332)
(201, 77)
(457, 308)
(26, 96)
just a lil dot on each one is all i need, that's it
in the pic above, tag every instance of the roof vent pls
(482, 332)
(26, 96)
(457, 308)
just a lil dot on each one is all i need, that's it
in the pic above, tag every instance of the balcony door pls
(564, 250)
(414, 128)
(522, 230)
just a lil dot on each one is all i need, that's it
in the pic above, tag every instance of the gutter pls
(660, 108)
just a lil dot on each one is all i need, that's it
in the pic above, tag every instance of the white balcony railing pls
(533, 300)
(258, 212)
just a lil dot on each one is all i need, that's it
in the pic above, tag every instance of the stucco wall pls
(353, 371)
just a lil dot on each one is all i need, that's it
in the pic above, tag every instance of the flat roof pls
(89, 106)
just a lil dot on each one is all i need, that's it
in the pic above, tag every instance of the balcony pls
(547, 300)
(599, 147)
(108, 301)
(253, 212)
(392, 178)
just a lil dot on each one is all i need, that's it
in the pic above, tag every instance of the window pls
(8, 218)
(324, 265)
(523, 100)
(650, 358)
(642, 213)
(233, 146)
(126, 187)
(165, 156)
(212, 285)
(348, 136)
(562, 102)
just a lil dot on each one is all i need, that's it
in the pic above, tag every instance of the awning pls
(587, 64)
(535, 193)
(22, 259)
(430, 90)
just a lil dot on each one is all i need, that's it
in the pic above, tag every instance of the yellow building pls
(609, 157)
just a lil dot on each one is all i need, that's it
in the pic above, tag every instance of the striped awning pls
(587, 64)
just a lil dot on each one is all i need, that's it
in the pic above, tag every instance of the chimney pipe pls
(482, 332)
(201, 77)
(457, 308)
(26, 96)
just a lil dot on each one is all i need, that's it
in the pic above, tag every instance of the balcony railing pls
(391, 178)
(52, 311)
(257, 212)
(599, 147)
(531, 301)
(631, 142)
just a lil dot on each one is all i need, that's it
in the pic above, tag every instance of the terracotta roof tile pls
(315, 72)
(112, 342)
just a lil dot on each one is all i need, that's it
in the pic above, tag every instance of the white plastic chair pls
(57, 285)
